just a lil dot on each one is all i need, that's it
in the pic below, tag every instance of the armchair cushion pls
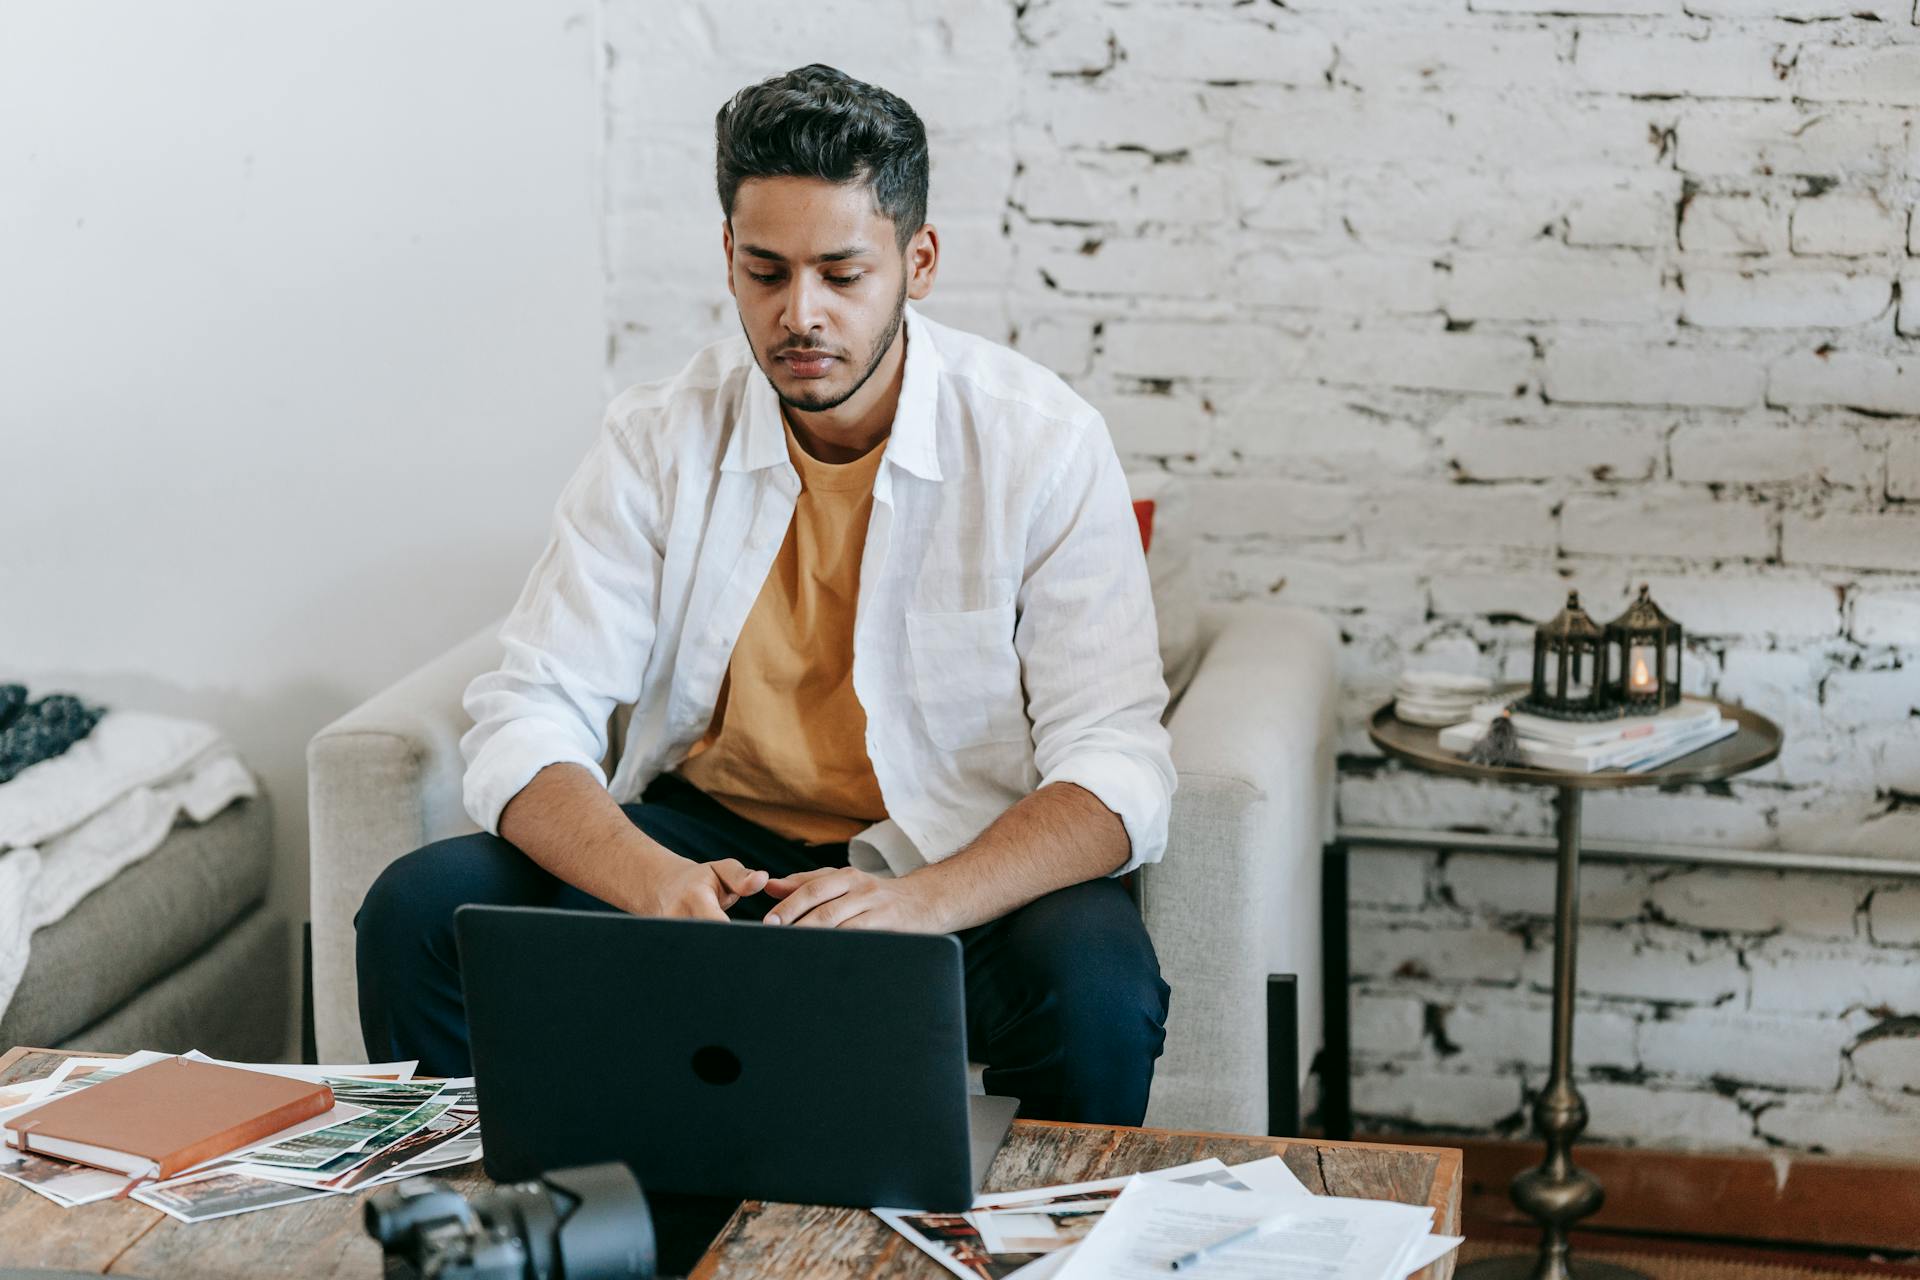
(1238, 894)
(382, 780)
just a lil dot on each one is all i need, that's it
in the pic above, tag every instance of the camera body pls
(585, 1223)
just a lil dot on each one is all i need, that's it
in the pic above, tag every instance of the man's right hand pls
(688, 890)
(567, 823)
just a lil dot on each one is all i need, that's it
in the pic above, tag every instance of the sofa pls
(1237, 897)
(178, 951)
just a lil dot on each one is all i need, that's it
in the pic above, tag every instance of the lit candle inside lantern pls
(1640, 674)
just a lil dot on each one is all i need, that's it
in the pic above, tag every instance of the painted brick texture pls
(1446, 307)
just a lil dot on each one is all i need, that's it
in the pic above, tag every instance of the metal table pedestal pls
(1558, 1194)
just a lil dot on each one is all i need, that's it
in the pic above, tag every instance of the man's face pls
(820, 281)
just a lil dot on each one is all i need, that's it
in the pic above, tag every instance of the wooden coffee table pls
(323, 1239)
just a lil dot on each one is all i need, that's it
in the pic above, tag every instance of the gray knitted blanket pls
(34, 731)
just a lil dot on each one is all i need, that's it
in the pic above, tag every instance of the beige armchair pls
(1237, 897)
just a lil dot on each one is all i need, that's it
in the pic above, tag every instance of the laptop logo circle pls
(716, 1065)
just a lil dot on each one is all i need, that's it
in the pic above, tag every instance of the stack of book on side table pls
(199, 1138)
(1630, 743)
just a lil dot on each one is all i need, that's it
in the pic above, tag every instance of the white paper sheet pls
(307, 1071)
(1322, 1237)
(1430, 1250)
(958, 1241)
(1269, 1177)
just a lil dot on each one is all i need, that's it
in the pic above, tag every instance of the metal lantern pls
(1569, 667)
(1643, 646)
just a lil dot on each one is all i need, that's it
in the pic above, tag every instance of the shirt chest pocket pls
(966, 676)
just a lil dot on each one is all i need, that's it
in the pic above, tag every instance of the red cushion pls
(1143, 512)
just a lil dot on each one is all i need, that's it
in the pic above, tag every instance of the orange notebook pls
(159, 1119)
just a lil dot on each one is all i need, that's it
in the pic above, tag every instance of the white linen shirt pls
(1004, 632)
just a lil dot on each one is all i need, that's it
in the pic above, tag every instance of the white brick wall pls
(1735, 224)
(1860, 540)
(1582, 370)
(1751, 298)
(1823, 376)
(1449, 305)
(1847, 226)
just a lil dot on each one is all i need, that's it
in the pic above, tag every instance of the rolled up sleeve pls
(577, 641)
(1089, 647)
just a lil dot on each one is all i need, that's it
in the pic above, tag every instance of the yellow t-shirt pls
(787, 747)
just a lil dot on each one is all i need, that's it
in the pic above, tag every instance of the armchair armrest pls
(382, 780)
(1238, 894)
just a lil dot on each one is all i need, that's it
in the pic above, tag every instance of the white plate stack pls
(1438, 698)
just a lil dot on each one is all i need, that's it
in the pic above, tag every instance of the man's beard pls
(810, 404)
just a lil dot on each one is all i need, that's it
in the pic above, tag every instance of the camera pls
(584, 1223)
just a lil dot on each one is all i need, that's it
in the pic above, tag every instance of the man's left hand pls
(843, 898)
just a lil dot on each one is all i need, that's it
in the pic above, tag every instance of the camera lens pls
(586, 1223)
(384, 1209)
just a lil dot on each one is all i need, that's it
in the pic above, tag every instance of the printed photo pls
(63, 1183)
(219, 1195)
(954, 1241)
(438, 1131)
(1015, 1231)
(333, 1150)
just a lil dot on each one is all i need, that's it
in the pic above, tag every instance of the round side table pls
(1558, 1194)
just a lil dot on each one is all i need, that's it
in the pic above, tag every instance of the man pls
(877, 596)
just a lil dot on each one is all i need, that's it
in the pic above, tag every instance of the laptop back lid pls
(821, 1066)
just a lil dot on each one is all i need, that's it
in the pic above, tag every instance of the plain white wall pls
(301, 331)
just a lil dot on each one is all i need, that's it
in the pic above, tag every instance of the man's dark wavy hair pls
(819, 122)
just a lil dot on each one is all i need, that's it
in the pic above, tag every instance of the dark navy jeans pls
(1065, 1004)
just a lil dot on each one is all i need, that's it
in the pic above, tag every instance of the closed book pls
(1580, 758)
(160, 1119)
(1687, 714)
(1630, 754)
(1685, 746)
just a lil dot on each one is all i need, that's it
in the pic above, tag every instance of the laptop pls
(763, 1062)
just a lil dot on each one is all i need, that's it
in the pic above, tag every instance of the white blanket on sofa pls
(70, 824)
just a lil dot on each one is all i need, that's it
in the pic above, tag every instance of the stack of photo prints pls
(384, 1126)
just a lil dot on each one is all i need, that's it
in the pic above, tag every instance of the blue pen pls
(1199, 1255)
